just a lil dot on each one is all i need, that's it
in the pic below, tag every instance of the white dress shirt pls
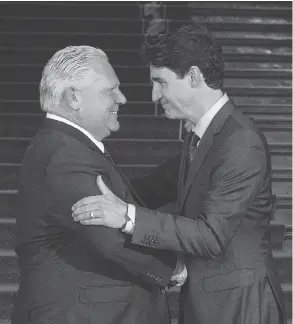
(202, 125)
(100, 145)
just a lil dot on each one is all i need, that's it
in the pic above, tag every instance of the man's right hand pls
(103, 210)
(180, 274)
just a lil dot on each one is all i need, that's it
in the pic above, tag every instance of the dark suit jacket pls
(225, 206)
(71, 273)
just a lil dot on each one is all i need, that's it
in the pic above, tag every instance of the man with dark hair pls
(224, 190)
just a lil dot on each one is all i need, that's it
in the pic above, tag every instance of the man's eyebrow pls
(157, 79)
(115, 86)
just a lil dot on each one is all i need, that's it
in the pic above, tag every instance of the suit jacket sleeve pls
(72, 176)
(236, 178)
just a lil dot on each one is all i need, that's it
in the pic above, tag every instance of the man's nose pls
(156, 94)
(121, 98)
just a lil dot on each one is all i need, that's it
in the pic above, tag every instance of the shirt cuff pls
(129, 228)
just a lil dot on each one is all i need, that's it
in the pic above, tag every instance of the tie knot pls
(192, 146)
(194, 140)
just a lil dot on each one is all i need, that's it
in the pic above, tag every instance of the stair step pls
(33, 73)
(132, 41)
(249, 25)
(63, 9)
(7, 199)
(6, 304)
(21, 55)
(114, 25)
(142, 92)
(140, 74)
(9, 271)
(63, 39)
(283, 261)
(257, 53)
(259, 84)
(71, 25)
(261, 101)
(42, 55)
(287, 290)
(266, 111)
(178, 11)
(243, 21)
(258, 66)
(7, 238)
(2, 321)
(283, 212)
(258, 73)
(282, 182)
(250, 9)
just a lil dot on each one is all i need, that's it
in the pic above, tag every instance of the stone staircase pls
(256, 39)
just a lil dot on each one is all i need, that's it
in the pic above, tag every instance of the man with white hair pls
(70, 273)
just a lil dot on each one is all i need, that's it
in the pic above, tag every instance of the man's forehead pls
(105, 72)
(159, 72)
(103, 67)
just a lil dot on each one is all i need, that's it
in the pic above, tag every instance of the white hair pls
(66, 68)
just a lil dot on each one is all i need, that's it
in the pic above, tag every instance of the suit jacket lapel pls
(202, 150)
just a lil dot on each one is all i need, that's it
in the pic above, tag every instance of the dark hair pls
(190, 45)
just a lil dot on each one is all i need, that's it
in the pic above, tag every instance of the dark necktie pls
(192, 146)
(108, 156)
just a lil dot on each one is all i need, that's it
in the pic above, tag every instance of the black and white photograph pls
(145, 162)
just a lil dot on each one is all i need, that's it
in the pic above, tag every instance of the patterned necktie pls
(192, 147)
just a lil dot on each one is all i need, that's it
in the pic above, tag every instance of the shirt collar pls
(202, 125)
(100, 145)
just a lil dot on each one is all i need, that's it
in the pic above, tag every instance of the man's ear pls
(73, 98)
(195, 76)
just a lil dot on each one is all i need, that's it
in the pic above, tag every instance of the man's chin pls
(169, 115)
(114, 128)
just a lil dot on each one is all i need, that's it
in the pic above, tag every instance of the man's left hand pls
(105, 210)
